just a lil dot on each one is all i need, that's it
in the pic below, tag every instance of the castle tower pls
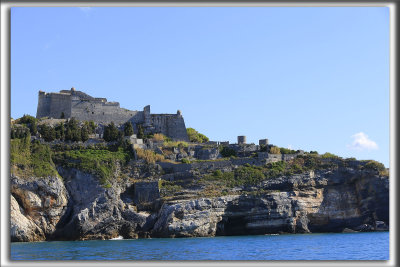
(241, 139)
(262, 142)
(147, 116)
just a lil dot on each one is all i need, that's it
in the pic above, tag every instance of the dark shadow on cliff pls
(237, 219)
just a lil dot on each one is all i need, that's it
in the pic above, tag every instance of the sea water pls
(327, 246)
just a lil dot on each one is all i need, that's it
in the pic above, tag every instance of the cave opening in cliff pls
(232, 226)
(128, 195)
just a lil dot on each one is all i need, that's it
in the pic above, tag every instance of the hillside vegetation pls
(31, 158)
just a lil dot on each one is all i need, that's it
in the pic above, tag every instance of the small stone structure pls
(77, 104)
(241, 139)
(263, 142)
(134, 140)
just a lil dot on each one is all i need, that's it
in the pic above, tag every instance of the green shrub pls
(19, 131)
(168, 188)
(375, 165)
(185, 160)
(222, 179)
(102, 163)
(248, 176)
(31, 158)
(30, 122)
(310, 161)
(296, 168)
(274, 169)
(41, 161)
(217, 173)
(179, 144)
(20, 151)
(195, 136)
(286, 151)
(227, 152)
(328, 155)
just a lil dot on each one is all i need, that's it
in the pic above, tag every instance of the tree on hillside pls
(47, 132)
(76, 135)
(128, 128)
(84, 134)
(140, 133)
(72, 131)
(92, 127)
(110, 132)
(19, 132)
(30, 122)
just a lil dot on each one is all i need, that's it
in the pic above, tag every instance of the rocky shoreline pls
(75, 206)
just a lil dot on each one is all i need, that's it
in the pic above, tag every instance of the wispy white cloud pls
(362, 142)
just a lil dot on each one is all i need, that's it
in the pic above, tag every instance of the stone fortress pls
(81, 106)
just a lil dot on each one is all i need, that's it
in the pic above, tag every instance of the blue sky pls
(305, 78)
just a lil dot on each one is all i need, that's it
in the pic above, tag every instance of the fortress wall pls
(43, 107)
(104, 112)
(287, 157)
(53, 104)
(171, 125)
(60, 103)
(85, 107)
(176, 128)
(159, 122)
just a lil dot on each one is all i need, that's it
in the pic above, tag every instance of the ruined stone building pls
(77, 104)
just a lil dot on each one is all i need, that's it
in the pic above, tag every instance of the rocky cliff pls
(78, 207)
(315, 202)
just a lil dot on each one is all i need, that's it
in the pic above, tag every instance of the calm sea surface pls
(343, 246)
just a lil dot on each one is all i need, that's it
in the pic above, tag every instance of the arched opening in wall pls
(92, 112)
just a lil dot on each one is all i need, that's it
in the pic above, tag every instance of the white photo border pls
(5, 130)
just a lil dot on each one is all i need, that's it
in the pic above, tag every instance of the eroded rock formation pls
(77, 207)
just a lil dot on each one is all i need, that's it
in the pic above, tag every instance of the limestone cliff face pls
(95, 212)
(322, 202)
(37, 205)
(77, 207)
